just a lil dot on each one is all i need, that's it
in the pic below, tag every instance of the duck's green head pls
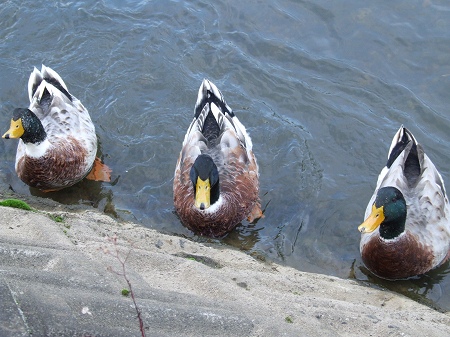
(205, 177)
(26, 125)
(388, 213)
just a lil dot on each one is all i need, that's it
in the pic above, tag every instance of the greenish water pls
(321, 86)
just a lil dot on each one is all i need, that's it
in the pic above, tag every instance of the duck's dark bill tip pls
(6, 136)
(202, 206)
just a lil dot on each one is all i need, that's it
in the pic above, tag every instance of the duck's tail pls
(413, 160)
(43, 83)
(209, 94)
(212, 115)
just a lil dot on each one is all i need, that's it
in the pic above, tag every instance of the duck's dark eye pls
(394, 199)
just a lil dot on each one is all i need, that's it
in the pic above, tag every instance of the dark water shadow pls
(425, 289)
(86, 192)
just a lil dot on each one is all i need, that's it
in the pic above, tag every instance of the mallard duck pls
(407, 227)
(216, 177)
(57, 145)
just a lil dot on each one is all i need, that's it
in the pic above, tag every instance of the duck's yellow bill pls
(374, 220)
(202, 194)
(16, 129)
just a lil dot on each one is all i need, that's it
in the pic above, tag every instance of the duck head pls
(388, 214)
(205, 179)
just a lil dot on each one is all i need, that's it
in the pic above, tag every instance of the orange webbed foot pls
(99, 171)
(256, 213)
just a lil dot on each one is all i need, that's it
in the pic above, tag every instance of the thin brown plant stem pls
(124, 275)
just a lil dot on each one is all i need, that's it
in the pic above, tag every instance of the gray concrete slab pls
(62, 279)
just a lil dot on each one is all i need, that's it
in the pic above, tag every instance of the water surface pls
(321, 86)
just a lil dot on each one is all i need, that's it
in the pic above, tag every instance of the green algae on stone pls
(15, 203)
(56, 218)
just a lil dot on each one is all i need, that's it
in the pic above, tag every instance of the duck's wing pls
(432, 199)
(430, 220)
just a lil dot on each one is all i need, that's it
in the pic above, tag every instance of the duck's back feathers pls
(411, 171)
(213, 116)
(217, 132)
(61, 113)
